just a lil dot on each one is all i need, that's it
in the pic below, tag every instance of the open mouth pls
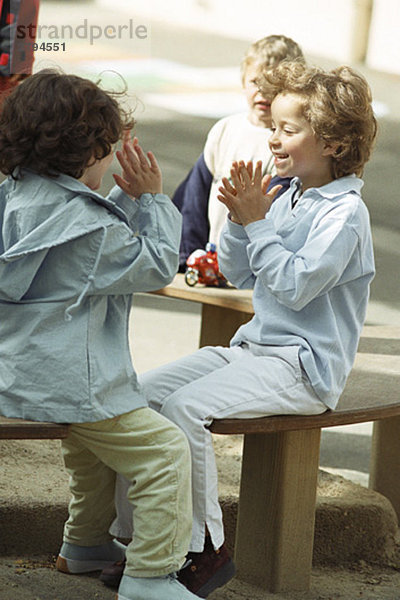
(263, 105)
(280, 157)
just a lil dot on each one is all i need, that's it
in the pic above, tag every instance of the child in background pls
(308, 257)
(70, 261)
(239, 136)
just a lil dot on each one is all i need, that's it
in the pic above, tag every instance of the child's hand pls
(246, 199)
(231, 190)
(140, 173)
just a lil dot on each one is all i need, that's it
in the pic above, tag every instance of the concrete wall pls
(346, 31)
(384, 44)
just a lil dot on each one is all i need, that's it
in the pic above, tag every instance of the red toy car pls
(203, 268)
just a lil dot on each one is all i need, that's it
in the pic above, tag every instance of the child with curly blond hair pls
(308, 258)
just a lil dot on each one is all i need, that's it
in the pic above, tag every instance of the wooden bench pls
(275, 528)
(19, 429)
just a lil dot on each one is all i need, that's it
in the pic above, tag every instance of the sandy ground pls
(38, 580)
(35, 469)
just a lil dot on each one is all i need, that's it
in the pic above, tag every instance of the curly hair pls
(57, 123)
(337, 104)
(269, 51)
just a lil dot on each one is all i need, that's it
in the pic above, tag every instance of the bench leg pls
(385, 460)
(218, 324)
(275, 529)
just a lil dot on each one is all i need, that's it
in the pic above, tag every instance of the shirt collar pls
(333, 189)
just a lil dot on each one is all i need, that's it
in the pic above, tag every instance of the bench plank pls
(20, 429)
(296, 423)
(240, 300)
(372, 393)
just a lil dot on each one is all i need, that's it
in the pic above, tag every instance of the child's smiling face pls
(298, 151)
(260, 107)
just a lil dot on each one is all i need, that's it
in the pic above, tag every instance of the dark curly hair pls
(57, 123)
(337, 104)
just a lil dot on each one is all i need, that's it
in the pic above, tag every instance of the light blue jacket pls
(310, 267)
(70, 261)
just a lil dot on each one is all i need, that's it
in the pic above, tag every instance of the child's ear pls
(329, 148)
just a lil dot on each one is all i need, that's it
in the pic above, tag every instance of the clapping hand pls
(140, 172)
(246, 197)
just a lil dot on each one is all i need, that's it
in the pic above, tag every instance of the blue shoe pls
(75, 559)
(153, 588)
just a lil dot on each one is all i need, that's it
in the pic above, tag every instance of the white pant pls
(214, 383)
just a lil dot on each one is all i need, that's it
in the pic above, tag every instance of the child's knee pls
(178, 453)
(180, 441)
(184, 448)
(180, 410)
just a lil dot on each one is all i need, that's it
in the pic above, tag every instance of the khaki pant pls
(153, 455)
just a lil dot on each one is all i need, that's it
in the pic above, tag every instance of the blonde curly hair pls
(337, 104)
(269, 51)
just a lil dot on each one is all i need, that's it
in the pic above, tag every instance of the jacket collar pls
(77, 187)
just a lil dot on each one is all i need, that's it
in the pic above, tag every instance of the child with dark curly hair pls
(70, 261)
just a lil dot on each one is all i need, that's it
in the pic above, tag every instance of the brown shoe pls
(206, 571)
(112, 575)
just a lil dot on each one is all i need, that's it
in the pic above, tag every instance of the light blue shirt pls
(311, 268)
(70, 261)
